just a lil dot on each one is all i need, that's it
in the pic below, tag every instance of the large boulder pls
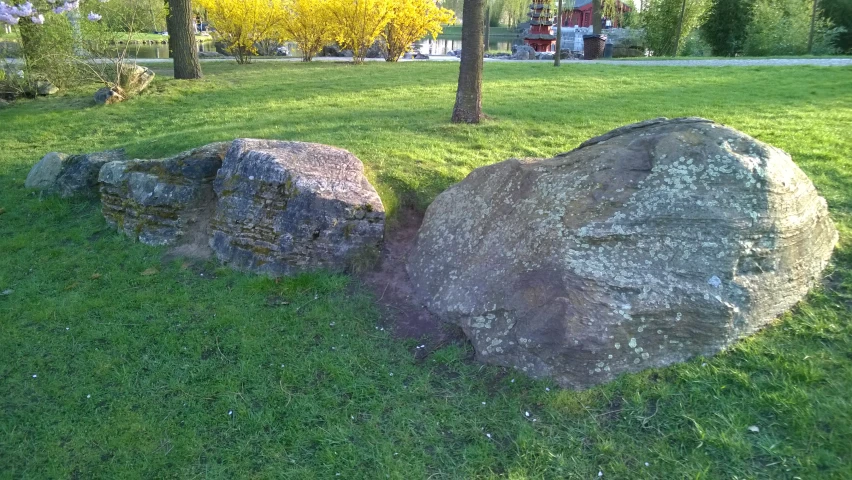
(163, 202)
(644, 247)
(69, 175)
(285, 207)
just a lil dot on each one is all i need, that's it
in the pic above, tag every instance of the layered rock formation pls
(159, 202)
(285, 207)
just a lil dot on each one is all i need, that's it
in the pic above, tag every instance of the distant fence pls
(572, 37)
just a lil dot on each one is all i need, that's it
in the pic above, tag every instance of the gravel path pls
(756, 62)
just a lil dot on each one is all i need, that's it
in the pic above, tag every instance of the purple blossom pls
(93, 17)
(38, 19)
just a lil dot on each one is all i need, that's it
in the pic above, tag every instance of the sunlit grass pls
(136, 375)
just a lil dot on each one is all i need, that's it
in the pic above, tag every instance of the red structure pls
(582, 14)
(539, 36)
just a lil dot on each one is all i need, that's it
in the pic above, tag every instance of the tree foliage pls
(839, 12)
(782, 27)
(241, 24)
(725, 27)
(412, 20)
(306, 22)
(660, 20)
(358, 23)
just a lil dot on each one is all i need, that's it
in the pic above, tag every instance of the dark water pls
(160, 51)
(439, 46)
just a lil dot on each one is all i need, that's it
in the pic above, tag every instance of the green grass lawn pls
(193, 373)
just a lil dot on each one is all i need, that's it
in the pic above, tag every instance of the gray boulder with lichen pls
(644, 247)
(285, 207)
(69, 175)
(163, 202)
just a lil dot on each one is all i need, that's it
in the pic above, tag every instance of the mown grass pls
(200, 372)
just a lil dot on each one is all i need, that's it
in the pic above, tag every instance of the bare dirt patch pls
(394, 293)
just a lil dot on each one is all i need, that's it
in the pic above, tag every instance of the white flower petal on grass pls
(752, 429)
(35, 376)
(488, 435)
(230, 412)
(89, 396)
(527, 414)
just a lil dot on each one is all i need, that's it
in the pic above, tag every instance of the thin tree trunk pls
(182, 40)
(487, 27)
(468, 107)
(558, 57)
(679, 28)
(811, 34)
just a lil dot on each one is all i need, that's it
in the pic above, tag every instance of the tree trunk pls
(811, 34)
(558, 57)
(182, 39)
(597, 15)
(468, 107)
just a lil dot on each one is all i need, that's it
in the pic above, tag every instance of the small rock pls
(45, 88)
(109, 95)
(69, 175)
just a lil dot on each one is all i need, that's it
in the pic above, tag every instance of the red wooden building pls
(582, 14)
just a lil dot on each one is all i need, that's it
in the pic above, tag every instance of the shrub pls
(782, 27)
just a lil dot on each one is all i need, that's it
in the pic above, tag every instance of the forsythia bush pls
(358, 23)
(307, 23)
(312, 24)
(412, 20)
(241, 24)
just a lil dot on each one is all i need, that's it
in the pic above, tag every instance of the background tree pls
(662, 18)
(725, 27)
(412, 20)
(782, 27)
(305, 22)
(148, 15)
(242, 24)
(181, 25)
(358, 23)
(468, 108)
(839, 13)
